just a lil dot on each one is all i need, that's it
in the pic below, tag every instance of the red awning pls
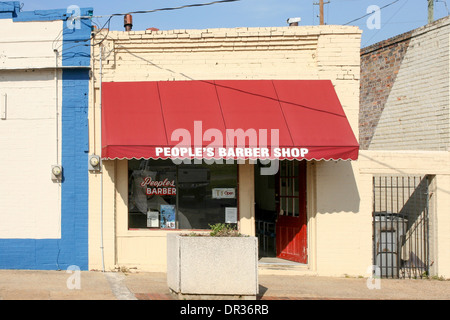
(237, 119)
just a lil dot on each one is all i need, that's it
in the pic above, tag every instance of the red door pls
(291, 206)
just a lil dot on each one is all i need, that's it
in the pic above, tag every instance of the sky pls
(397, 16)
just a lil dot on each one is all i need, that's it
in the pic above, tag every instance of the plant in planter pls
(224, 230)
(218, 230)
(223, 263)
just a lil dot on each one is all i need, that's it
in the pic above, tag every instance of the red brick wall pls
(380, 64)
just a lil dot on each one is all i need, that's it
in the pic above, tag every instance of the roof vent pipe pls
(293, 22)
(128, 22)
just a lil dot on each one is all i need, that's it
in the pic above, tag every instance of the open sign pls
(223, 193)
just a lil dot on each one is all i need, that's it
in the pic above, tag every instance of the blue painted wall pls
(72, 248)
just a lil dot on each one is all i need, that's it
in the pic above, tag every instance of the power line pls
(368, 14)
(108, 21)
(446, 6)
(163, 9)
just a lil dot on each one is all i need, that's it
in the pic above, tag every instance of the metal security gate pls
(400, 226)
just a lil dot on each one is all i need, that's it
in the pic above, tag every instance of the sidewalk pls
(54, 285)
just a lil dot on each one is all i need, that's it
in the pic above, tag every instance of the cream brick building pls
(339, 193)
(300, 53)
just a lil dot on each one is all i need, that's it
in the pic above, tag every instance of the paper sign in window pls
(230, 215)
(153, 219)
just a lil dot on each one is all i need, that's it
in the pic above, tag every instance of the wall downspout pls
(57, 107)
(57, 147)
(101, 163)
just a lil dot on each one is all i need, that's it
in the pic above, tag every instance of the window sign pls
(160, 188)
(167, 216)
(153, 219)
(223, 193)
(230, 215)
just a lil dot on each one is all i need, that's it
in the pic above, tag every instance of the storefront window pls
(163, 195)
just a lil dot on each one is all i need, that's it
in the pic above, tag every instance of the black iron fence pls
(401, 226)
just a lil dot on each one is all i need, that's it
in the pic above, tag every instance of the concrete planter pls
(212, 266)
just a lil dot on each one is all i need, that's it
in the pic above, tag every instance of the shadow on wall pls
(337, 190)
(11, 76)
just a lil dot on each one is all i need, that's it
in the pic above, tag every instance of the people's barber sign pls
(159, 187)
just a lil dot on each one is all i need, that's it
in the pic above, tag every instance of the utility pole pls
(321, 12)
(321, 5)
(430, 11)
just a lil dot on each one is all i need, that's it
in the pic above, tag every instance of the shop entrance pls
(280, 210)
